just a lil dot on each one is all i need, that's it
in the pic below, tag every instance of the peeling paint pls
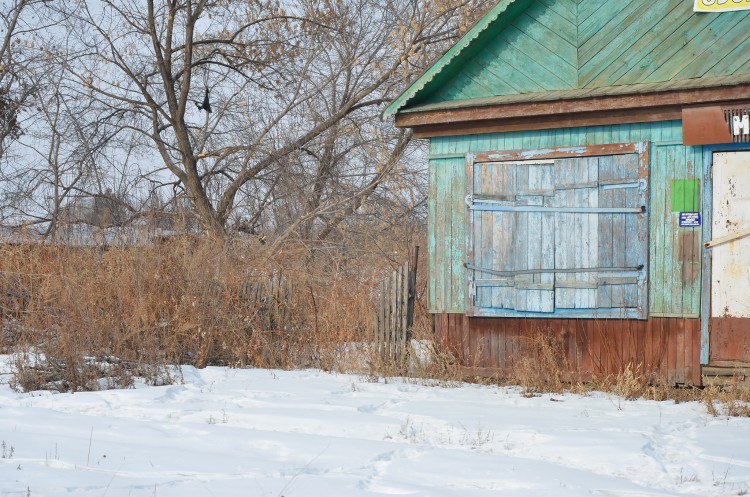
(730, 272)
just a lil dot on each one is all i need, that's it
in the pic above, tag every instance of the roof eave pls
(447, 58)
(594, 110)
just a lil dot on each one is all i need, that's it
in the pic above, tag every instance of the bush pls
(182, 301)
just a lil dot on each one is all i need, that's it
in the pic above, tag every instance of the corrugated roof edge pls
(436, 68)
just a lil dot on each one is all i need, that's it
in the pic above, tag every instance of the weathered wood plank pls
(521, 243)
(610, 45)
(591, 240)
(727, 39)
(732, 61)
(442, 222)
(593, 17)
(673, 265)
(694, 48)
(457, 240)
(564, 8)
(644, 45)
(695, 269)
(555, 22)
(546, 180)
(659, 213)
(483, 228)
(432, 265)
(606, 230)
(540, 53)
(564, 230)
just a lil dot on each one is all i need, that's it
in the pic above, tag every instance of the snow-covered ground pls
(226, 432)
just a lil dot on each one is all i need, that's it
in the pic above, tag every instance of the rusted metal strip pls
(570, 270)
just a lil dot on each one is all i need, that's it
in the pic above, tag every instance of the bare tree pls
(19, 64)
(260, 117)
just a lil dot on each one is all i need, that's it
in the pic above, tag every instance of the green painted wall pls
(674, 268)
(567, 44)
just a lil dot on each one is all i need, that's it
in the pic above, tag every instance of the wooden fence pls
(395, 312)
(271, 297)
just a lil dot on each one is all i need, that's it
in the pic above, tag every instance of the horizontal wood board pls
(559, 45)
(524, 218)
(674, 270)
(665, 350)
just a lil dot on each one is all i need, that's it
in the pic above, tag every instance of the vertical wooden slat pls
(404, 305)
(470, 237)
(394, 316)
(680, 365)
(671, 344)
(696, 359)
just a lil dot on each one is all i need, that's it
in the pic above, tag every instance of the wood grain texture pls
(675, 288)
(674, 270)
(550, 185)
(552, 46)
(536, 51)
(730, 339)
(662, 349)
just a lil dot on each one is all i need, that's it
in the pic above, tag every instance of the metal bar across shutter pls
(576, 210)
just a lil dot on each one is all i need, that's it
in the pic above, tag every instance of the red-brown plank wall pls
(667, 350)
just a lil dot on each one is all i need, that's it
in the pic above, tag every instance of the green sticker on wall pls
(685, 195)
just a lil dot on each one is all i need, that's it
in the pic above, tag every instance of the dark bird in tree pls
(206, 105)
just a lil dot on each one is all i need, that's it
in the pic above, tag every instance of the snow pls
(251, 432)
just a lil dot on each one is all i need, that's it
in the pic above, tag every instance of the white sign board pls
(720, 5)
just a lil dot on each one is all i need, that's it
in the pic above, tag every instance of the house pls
(589, 179)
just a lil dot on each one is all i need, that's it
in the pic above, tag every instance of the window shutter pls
(558, 237)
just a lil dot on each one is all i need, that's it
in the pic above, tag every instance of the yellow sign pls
(721, 5)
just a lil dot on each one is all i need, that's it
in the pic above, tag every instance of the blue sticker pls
(690, 219)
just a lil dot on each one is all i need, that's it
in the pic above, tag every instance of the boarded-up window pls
(558, 237)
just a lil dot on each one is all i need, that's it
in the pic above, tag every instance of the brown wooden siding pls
(730, 339)
(667, 350)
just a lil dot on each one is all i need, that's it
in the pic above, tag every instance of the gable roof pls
(447, 63)
(552, 50)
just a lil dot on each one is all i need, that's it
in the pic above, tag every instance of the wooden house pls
(581, 155)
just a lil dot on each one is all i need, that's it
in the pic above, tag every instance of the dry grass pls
(733, 400)
(542, 366)
(87, 318)
(83, 314)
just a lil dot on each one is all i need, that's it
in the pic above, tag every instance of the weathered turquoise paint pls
(436, 75)
(675, 252)
(525, 57)
(674, 274)
(534, 46)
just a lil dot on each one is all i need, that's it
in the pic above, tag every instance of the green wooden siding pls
(535, 52)
(674, 269)
(675, 252)
(567, 44)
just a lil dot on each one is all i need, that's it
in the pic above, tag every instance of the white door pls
(730, 267)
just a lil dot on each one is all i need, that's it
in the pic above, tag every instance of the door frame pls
(708, 161)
